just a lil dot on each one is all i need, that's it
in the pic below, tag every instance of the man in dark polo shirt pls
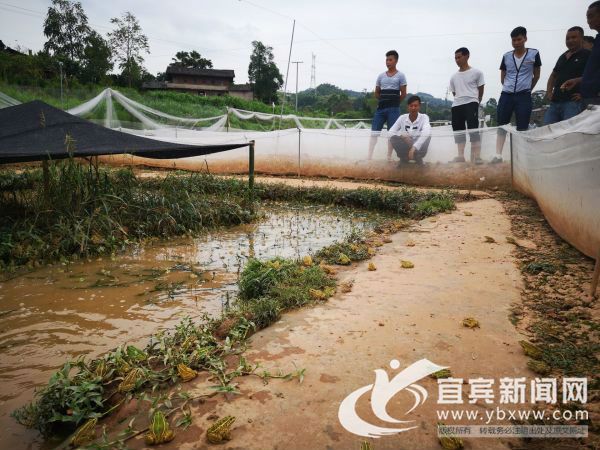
(566, 104)
(589, 82)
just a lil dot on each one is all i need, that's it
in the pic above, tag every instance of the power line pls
(313, 70)
(419, 36)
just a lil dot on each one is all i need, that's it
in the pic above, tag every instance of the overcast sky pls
(349, 38)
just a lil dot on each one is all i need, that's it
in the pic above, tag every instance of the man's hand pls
(411, 153)
(548, 95)
(570, 84)
(576, 97)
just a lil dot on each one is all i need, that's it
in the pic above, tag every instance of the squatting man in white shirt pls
(467, 86)
(411, 133)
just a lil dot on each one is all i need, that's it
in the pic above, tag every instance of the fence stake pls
(251, 175)
(512, 180)
(299, 143)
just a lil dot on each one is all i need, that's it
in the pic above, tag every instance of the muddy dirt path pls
(391, 314)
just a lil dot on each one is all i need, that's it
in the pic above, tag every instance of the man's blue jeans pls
(559, 111)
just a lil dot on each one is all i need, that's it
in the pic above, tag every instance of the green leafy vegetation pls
(404, 202)
(84, 210)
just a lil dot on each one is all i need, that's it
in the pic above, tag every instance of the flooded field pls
(89, 307)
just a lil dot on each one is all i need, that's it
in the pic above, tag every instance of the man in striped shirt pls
(519, 73)
(390, 90)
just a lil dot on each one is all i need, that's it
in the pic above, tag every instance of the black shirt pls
(590, 84)
(566, 69)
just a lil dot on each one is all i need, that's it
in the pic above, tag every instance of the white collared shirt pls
(419, 129)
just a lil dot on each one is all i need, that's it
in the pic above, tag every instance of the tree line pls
(79, 55)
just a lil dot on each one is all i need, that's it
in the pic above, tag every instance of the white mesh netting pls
(558, 165)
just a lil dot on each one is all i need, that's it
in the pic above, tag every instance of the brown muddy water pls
(89, 307)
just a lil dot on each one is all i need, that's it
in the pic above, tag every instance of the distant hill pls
(331, 100)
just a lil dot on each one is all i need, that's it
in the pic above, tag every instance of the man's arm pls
(550, 85)
(536, 76)
(480, 89)
(571, 84)
(502, 76)
(425, 132)
(377, 92)
(402, 93)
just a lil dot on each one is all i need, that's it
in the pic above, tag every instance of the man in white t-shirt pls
(467, 86)
(411, 133)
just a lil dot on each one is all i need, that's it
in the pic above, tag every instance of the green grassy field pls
(173, 103)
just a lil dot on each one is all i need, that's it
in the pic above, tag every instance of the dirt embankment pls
(464, 176)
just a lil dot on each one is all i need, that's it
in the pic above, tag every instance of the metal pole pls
(62, 103)
(299, 144)
(287, 72)
(251, 175)
(297, 65)
(512, 180)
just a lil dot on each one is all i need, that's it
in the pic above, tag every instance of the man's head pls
(414, 104)
(519, 37)
(574, 38)
(588, 42)
(593, 16)
(461, 56)
(391, 59)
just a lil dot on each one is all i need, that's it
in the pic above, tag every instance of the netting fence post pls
(299, 145)
(251, 175)
(512, 180)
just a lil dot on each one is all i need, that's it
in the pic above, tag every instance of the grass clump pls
(287, 283)
(353, 248)
(540, 266)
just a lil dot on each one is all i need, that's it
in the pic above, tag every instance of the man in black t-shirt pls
(566, 104)
(589, 82)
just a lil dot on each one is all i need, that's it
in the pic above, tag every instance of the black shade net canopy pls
(36, 131)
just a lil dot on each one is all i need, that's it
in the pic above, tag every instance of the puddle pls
(90, 307)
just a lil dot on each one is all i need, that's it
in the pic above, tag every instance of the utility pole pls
(297, 65)
(313, 70)
(62, 103)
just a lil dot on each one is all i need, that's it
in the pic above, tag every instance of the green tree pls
(127, 43)
(66, 28)
(96, 61)
(490, 109)
(263, 74)
(191, 60)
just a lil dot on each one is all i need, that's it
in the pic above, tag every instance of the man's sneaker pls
(496, 160)
(477, 161)
(458, 159)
